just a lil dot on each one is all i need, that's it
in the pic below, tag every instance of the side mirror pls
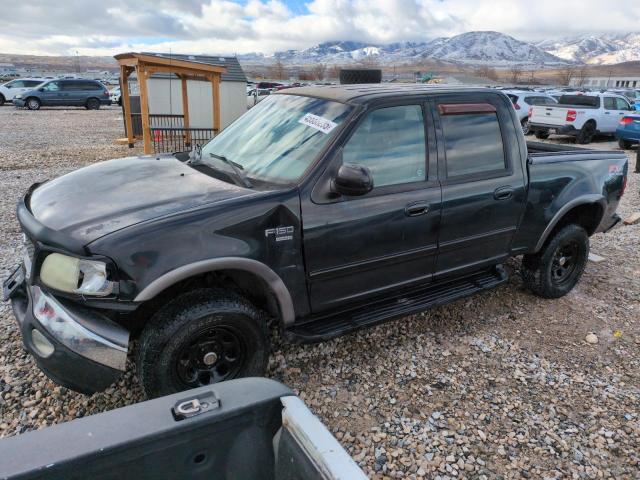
(352, 180)
(41, 89)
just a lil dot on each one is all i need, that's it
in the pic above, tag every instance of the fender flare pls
(255, 267)
(583, 200)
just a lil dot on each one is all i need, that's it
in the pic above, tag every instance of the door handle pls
(503, 193)
(415, 209)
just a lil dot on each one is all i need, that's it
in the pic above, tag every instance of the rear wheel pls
(33, 103)
(2, 99)
(624, 144)
(525, 126)
(202, 337)
(586, 133)
(555, 270)
(93, 104)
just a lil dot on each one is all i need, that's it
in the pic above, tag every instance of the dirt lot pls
(501, 385)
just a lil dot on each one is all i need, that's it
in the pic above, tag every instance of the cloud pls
(225, 26)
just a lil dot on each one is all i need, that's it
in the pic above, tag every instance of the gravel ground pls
(501, 385)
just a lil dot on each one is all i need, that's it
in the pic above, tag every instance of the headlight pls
(18, 96)
(75, 275)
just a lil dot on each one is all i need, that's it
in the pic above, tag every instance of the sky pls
(107, 27)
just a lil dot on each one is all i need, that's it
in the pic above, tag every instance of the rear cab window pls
(473, 140)
(580, 100)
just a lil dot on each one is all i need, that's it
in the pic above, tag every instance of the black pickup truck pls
(321, 210)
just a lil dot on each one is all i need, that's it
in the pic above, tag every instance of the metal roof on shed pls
(234, 70)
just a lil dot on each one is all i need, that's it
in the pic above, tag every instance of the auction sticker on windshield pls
(319, 123)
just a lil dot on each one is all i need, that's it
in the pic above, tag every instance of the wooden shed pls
(187, 99)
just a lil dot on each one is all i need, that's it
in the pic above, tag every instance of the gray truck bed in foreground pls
(241, 429)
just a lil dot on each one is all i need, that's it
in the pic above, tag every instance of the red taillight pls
(106, 93)
(516, 106)
(571, 115)
(626, 121)
(530, 112)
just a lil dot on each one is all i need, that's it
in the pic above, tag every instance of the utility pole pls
(77, 62)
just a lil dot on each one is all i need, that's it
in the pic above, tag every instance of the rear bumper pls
(78, 349)
(559, 129)
(628, 135)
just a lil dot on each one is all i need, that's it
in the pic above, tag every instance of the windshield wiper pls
(237, 168)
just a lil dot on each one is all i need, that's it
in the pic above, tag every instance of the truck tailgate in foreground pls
(240, 429)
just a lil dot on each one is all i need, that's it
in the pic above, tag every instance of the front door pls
(360, 247)
(51, 93)
(483, 183)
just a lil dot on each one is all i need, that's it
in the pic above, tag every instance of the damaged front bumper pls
(76, 347)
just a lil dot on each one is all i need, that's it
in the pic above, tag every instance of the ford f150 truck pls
(580, 116)
(321, 210)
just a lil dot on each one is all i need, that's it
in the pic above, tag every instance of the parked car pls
(523, 100)
(628, 131)
(256, 95)
(321, 210)
(250, 428)
(580, 116)
(116, 96)
(18, 86)
(65, 92)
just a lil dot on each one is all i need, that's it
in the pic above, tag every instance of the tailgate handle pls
(503, 193)
(415, 209)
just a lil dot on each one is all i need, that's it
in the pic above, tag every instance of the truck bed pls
(540, 152)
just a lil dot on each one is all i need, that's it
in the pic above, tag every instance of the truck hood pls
(99, 199)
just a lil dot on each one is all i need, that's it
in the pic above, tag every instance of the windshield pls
(277, 140)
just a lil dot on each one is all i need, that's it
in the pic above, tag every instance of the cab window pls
(391, 143)
(473, 144)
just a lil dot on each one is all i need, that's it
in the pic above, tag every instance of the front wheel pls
(200, 338)
(33, 104)
(555, 270)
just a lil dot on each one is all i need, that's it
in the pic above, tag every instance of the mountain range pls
(475, 48)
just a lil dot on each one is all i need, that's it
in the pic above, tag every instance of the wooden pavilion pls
(146, 65)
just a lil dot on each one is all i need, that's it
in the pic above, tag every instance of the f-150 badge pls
(279, 233)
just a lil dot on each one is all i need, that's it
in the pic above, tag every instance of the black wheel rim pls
(565, 263)
(211, 355)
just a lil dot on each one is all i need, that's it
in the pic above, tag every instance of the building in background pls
(165, 95)
(609, 81)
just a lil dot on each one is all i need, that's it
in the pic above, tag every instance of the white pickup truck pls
(581, 116)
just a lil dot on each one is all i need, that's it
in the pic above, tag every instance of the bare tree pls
(334, 71)
(515, 71)
(531, 78)
(582, 75)
(566, 74)
(278, 71)
(319, 71)
(485, 71)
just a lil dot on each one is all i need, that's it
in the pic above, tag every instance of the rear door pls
(483, 182)
(74, 92)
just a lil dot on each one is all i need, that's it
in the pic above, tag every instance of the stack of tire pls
(349, 76)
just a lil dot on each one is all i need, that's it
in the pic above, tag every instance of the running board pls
(413, 301)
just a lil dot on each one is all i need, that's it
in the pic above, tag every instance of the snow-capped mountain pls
(604, 49)
(476, 48)
(488, 47)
